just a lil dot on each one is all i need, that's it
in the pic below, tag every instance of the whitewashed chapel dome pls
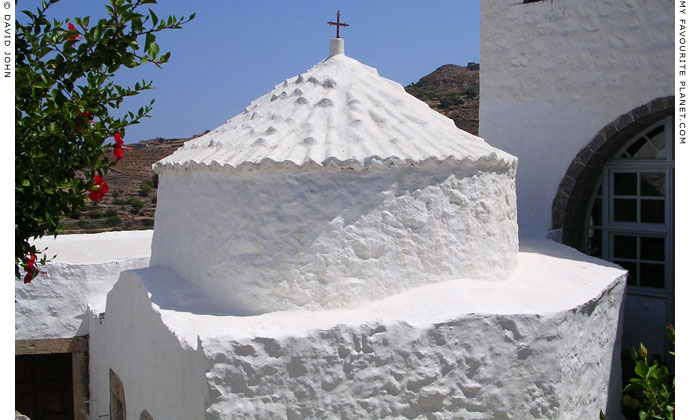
(336, 187)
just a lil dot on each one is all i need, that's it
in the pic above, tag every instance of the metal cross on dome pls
(337, 25)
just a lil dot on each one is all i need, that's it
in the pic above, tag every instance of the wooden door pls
(43, 386)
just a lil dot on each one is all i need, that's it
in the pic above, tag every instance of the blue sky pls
(235, 51)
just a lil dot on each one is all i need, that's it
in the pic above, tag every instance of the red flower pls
(97, 195)
(73, 28)
(118, 150)
(84, 114)
(31, 270)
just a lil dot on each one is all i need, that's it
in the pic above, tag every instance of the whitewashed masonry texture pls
(376, 273)
(341, 251)
(564, 86)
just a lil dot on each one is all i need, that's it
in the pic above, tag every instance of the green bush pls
(95, 214)
(452, 99)
(83, 224)
(154, 200)
(113, 221)
(145, 187)
(136, 204)
(148, 222)
(154, 180)
(75, 215)
(420, 93)
(110, 213)
(651, 392)
(120, 202)
(470, 93)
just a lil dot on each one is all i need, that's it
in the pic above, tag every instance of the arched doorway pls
(630, 222)
(616, 203)
(630, 214)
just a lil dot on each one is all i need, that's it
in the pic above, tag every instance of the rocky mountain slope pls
(131, 201)
(454, 92)
(130, 205)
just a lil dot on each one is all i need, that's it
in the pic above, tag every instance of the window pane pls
(652, 184)
(647, 151)
(652, 275)
(653, 211)
(625, 183)
(595, 219)
(594, 242)
(634, 148)
(624, 246)
(652, 249)
(632, 271)
(625, 210)
(656, 136)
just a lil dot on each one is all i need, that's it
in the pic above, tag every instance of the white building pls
(344, 284)
(341, 250)
(52, 317)
(581, 92)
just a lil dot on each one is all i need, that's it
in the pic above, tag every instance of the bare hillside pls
(454, 92)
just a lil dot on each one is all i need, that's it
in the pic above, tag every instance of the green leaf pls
(155, 49)
(652, 372)
(56, 80)
(641, 369)
(150, 39)
(154, 18)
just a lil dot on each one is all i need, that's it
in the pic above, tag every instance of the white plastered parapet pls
(542, 344)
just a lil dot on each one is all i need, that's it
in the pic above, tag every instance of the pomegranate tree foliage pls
(65, 98)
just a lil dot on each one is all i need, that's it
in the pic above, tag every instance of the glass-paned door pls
(630, 219)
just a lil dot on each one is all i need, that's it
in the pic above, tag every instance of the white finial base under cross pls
(337, 47)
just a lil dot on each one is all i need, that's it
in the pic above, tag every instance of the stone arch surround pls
(569, 208)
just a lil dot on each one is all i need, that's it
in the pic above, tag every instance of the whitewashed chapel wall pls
(159, 374)
(85, 268)
(554, 73)
(412, 356)
(272, 239)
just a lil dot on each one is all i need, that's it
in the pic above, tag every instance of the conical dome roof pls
(263, 213)
(339, 112)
